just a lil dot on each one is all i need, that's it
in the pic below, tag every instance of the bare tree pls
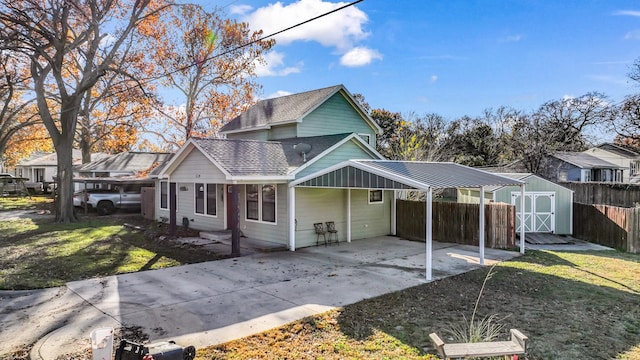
(55, 34)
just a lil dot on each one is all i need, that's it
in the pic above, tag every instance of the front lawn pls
(39, 253)
(582, 305)
(42, 202)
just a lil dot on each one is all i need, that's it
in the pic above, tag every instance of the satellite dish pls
(302, 149)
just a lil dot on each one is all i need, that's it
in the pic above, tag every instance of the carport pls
(402, 175)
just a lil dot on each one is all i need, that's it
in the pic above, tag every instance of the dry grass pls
(571, 305)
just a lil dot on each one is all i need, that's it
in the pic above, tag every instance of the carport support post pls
(429, 233)
(235, 220)
(522, 202)
(394, 215)
(481, 235)
(348, 215)
(172, 209)
(292, 218)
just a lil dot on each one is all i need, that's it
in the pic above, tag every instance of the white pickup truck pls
(124, 196)
(14, 185)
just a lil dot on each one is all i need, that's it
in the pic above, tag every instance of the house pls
(581, 167)
(291, 162)
(130, 163)
(548, 206)
(43, 167)
(622, 156)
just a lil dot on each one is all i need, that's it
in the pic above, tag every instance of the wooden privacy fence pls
(458, 223)
(625, 195)
(611, 226)
(148, 205)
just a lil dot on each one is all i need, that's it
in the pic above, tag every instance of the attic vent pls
(302, 149)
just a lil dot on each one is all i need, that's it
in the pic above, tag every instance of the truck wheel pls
(105, 208)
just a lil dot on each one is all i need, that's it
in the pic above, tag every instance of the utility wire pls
(167, 74)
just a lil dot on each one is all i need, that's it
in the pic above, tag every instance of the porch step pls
(220, 236)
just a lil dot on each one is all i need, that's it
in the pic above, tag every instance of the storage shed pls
(548, 206)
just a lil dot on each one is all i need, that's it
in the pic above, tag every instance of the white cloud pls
(627, 13)
(240, 9)
(274, 66)
(511, 38)
(340, 29)
(278, 93)
(359, 56)
(609, 79)
(633, 35)
(433, 78)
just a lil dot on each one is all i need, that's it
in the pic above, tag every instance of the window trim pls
(166, 194)
(260, 204)
(204, 199)
(375, 202)
(368, 137)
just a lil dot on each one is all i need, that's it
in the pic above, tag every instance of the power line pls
(167, 74)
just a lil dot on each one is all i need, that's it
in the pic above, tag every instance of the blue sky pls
(453, 58)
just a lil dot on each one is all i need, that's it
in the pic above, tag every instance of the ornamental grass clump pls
(488, 328)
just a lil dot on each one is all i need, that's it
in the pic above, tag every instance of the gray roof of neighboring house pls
(51, 159)
(281, 110)
(264, 158)
(126, 161)
(585, 161)
(620, 150)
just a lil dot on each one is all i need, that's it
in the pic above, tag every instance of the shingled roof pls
(239, 157)
(282, 110)
(126, 161)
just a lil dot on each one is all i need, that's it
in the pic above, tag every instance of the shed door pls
(539, 211)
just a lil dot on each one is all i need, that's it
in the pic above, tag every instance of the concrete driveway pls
(214, 302)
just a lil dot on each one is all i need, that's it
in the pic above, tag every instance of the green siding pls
(349, 150)
(322, 204)
(282, 132)
(250, 135)
(335, 116)
(197, 168)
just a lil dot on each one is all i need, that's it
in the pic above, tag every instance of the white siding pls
(197, 168)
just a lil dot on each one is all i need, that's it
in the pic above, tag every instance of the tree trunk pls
(85, 145)
(64, 203)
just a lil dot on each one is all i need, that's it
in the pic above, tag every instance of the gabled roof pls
(522, 177)
(242, 159)
(125, 162)
(289, 109)
(620, 150)
(391, 174)
(585, 161)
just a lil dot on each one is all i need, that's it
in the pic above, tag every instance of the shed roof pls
(287, 109)
(585, 161)
(390, 174)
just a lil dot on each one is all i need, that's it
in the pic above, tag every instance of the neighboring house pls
(580, 167)
(295, 161)
(43, 167)
(621, 156)
(123, 164)
(548, 206)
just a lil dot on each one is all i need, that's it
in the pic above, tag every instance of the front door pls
(539, 211)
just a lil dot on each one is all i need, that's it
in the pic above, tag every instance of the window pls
(261, 202)
(211, 199)
(164, 195)
(366, 138)
(205, 199)
(375, 197)
(635, 168)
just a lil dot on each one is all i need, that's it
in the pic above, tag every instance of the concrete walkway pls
(214, 302)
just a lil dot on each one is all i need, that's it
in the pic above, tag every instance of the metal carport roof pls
(391, 174)
(398, 175)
